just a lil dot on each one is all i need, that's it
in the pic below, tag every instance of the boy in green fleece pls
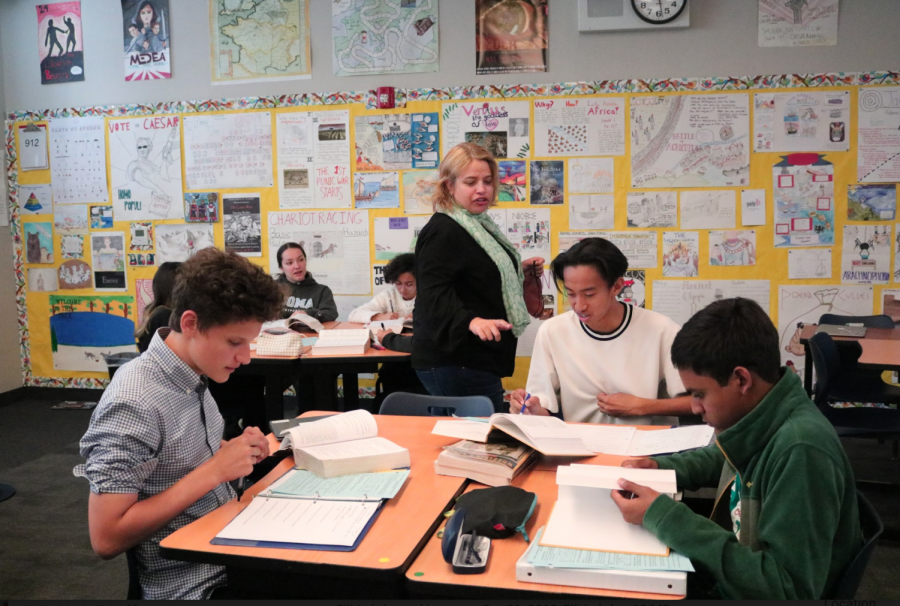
(785, 524)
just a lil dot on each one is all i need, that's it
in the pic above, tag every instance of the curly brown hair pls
(223, 288)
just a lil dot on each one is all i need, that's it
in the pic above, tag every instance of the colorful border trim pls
(368, 99)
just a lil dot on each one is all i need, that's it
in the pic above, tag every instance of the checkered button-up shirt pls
(155, 423)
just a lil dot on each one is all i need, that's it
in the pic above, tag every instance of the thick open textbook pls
(633, 442)
(586, 517)
(547, 435)
(344, 444)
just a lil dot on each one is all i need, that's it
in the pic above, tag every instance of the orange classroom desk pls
(374, 569)
(430, 576)
(321, 371)
(880, 349)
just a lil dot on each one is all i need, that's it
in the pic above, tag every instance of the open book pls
(547, 435)
(344, 444)
(633, 442)
(586, 517)
(298, 321)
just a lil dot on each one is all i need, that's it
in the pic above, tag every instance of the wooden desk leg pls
(351, 390)
(807, 370)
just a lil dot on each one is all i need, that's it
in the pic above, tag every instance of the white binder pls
(668, 583)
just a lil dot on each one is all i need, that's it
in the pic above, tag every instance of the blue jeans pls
(458, 381)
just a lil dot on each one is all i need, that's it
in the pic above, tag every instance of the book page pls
(550, 438)
(608, 439)
(370, 486)
(301, 521)
(607, 477)
(665, 441)
(353, 449)
(464, 430)
(341, 338)
(306, 320)
(353, 425)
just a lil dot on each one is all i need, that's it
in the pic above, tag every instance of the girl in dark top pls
(302, 292)
(470, 307)
(157, 313)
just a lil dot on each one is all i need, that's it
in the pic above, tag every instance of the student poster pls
(512, 181)
(690, 141)
(804, 201)
(228, 150)
(74, 275)
(548, 181)
(201, 207)
(376, 190)
(71, 219)
(529, 231)
(72, 246)
(681, 254)
(866, 254)
(38, 240)
(397, 141)
(878, 140)
(242, 224)
(800, 305)
(313, 168)
(801, 121)
(592, 211)
(501, 127)
(732, 247)
(798, 23)
(652, 209)
(144, 290)
(108, 261)
(396, 235)
(640, 248)
(78, 160)
(809, 263)
(84, 329)
(753, 207)
(101, 217)
(60, 45)
(708, 209)
(336, 244)
(35, 199)
(180, 242)
(145, 161)
(871, 202)
(681, 299)
(419, 189)
(591, 175)
(42, 280)
(141, 236)
(634, 289)
(890, 304)
(579, 127)
(511, 37)
(147, 39)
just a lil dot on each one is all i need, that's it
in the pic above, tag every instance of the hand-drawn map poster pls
(690, 141)
(84, 329)
(60, 45)
(259, 40)
(387, 37)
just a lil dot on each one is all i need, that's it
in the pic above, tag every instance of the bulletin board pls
(685, 175)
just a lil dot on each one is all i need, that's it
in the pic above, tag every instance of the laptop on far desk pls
(839, 330)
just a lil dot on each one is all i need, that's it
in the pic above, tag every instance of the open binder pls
(327, 521)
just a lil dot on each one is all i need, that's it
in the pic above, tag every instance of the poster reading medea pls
(60, 45)
(147, 42)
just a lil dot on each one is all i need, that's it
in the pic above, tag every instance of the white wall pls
(720, 42)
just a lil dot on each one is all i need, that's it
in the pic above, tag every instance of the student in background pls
(470, 306)
(786, 522)
(303, 293)
(603, 361)
(157, 313)
(154, 454)
(395, 302)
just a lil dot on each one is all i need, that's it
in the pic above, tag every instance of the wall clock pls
(658, 12)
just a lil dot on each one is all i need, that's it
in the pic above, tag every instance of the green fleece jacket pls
(799, 519)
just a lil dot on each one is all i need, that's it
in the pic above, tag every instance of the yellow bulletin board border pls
(361, 101)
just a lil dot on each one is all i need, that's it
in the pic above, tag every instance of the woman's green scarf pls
(489, 237)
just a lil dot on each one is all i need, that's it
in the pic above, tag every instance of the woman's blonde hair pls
(454, 163)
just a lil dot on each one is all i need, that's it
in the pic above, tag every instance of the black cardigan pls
(457, 281)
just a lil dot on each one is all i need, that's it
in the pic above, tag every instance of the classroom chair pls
(417, 405)
(872, 527)
(880, 321)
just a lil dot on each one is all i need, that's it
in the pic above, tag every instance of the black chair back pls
(881, 321)
(827, 362)
(872, 527)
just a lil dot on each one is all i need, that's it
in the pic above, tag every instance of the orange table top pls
(391, 542)
(430, 568)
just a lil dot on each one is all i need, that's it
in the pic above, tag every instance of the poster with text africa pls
(690, 141)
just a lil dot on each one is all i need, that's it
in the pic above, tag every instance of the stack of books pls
(491, 464)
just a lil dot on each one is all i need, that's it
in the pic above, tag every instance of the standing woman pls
(157, 313)
(470, 307)
(304, 294)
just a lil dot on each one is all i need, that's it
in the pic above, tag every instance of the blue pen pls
(527, 396)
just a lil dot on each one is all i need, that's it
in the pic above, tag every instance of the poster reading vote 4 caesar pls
(147, 42)
(60, 44)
